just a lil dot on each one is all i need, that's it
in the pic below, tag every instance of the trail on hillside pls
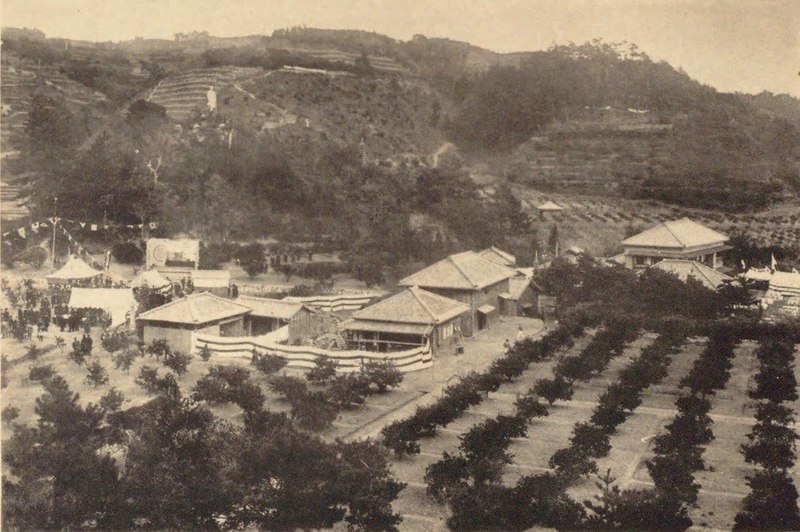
(443, 148)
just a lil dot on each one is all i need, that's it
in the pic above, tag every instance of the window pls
(639, 261)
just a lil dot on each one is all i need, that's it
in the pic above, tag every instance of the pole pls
(53, 248)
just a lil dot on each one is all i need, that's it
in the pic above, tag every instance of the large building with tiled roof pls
(677, 239)
(469, 278)
(196, 313)
(411, 318)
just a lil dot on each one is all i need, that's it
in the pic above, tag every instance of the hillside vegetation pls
(336, 133)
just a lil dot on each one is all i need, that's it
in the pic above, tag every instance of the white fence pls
(304, 356)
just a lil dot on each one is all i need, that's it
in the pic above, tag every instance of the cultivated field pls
(722, 483)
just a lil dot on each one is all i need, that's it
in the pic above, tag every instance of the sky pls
(733, 45)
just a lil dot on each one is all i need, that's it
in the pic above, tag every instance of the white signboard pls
(166, 252)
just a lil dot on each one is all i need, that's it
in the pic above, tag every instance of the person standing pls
(520, 334)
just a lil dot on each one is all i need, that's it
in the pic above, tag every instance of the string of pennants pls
(35, 227)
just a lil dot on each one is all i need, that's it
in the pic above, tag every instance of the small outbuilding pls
(519, 300)
(196, 313)
(268, 315)
(407, 320)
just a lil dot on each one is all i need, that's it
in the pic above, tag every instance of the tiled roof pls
(498, 256)
(683, 233)
(684, 269)
(413, 305)
(465, 271)
(270, 308)
(195, 309)
(517, 286)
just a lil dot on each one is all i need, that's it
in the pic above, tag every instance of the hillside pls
(599, 118)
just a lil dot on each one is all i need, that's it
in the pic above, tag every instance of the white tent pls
(116, 301)
(74, 270)
(152, 279)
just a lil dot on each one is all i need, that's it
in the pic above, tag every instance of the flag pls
(773, 265)
(21, 232)
(108, 259)
(94, 227)
(83, 224)
(744, 266)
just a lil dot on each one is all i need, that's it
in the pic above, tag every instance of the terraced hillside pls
(185, 92)
(18, 83)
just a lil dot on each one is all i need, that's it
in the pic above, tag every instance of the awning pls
(504, 295)
(388, 327)
(486, 309)
(116, 301)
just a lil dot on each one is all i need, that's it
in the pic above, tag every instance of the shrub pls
(401, 437)
(148, 379)
(96, 374)
(40, 373)
(229, 384)
(178, 361)
(529, 407)
(268, 364)
(572, 463)
(115, 341)
(158, 348)
(205, 353)
(77, 356)
(313, 411)
(9, 414)
(288, 386)
(33, 351)
(383, 374)
(324, 370)
(446, 476)
(112, 400)
(125, 358)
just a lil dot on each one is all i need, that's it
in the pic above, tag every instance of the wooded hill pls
(597, 117)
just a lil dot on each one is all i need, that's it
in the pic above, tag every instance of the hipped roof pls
(683, 233)
(195, 309)
(413, 305)
(464, 271)
(270, 308)
(685, 269)
(498, 256)
(550, 206)
(74, 269)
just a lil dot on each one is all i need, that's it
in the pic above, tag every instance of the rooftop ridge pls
(415, 292)
(668, 228)
(461, 270)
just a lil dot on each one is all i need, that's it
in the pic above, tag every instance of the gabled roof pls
(685, 269)
(683, 233)
(755, 274)
(270, 308)
(464, 271)
(413, 305)
(151, 279)
(195, 309)
(74, 269)
(550, 206)
(498, 256)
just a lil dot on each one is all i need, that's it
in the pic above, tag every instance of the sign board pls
(167, 252)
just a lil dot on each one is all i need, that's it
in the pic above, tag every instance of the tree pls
(771, 503)
(591, 439)
(673, 477)
(158, 348)
(9, 414)
(313, 411)
(572, 463)
(553, 240)
(634, 509)
(383, 374)
(61, 479)
(288, 386)
(447, 476)
(552, 390)
(96, 374)
(775, 383)
(252, 258)
(5, 366)
(348, 390)
(113, 400)
(324, 370)
(223, 384)
(529, 407)
(268, 364)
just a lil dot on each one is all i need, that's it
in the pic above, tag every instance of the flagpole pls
(55, 221)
